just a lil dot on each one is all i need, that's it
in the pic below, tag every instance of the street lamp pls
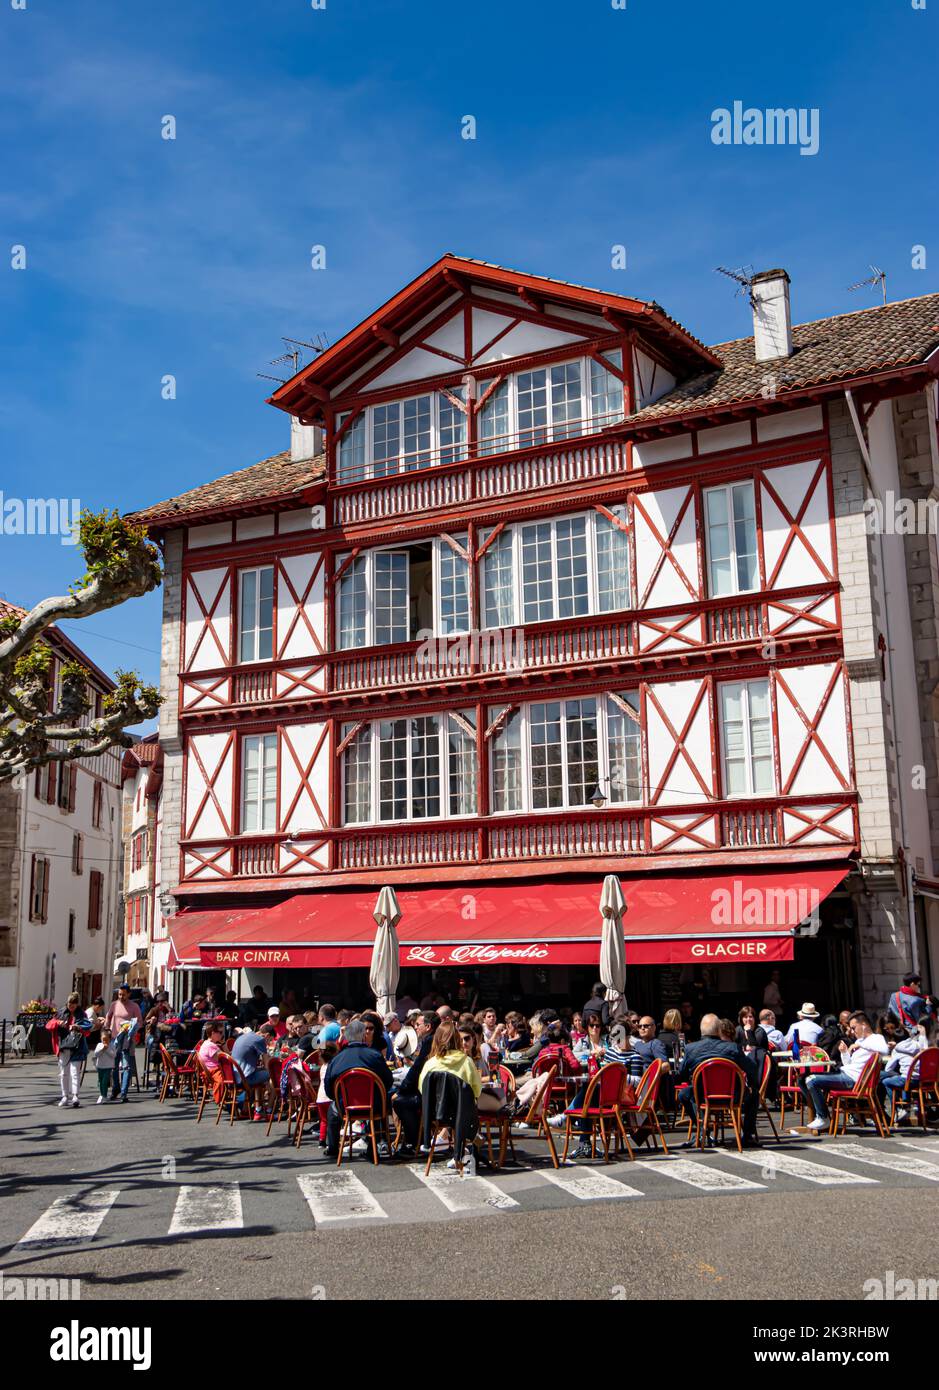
(597, 796)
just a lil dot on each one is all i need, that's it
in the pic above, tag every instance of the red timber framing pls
(673, 652)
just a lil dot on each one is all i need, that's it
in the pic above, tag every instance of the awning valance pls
(704, 917)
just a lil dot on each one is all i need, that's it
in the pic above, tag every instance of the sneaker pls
(100, 1100)
(63, 1102)
(469, 1165)
(557, 1121)
(384, 1150)
(75, 1104)
(123, 1100)
(522, 1128)
(902, 1115)
(583, 1149)
(817, 1125)
(361, 1146)
(258, 1115)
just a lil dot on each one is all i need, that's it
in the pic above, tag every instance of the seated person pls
(250, 1052)
(208, 1051)
(356, 1053)
(774, 1036)
(646, 1045)
(711, 1044)
(405, 1098)
(903, 1056)
(274, 1021)
(854, 1057)
(447, 1055)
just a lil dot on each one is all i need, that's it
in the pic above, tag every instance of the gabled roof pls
(845, 347)
(278, 480)
(312, 384)
(65, 648)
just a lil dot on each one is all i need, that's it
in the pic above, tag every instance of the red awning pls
(703, 917)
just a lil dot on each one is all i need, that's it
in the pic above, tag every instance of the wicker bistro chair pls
(233, 1083)
(921, 1087)
(718, 1087)
(361, 1096)
(861, 1100)
(603, 1103)
(644, 1106)
(177, 1074)
(761, 1095)
(536, 1116)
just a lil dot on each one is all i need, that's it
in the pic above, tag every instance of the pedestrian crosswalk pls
(322, 1197)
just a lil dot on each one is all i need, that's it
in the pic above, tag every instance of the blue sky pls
(341, 127)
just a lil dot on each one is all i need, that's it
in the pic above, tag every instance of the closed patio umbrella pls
(383, 971)
(612, 950)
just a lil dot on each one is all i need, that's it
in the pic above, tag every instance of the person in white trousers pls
(72, 1026)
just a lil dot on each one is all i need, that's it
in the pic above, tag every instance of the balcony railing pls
(747, 826)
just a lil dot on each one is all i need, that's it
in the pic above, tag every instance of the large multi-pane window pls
(410, 768)
(258, 783)
(566, 568)
(397, 595)
(554, 754)
(256, 615)
(731, 539)
(747, 739)
(400, 436)
(523, 409)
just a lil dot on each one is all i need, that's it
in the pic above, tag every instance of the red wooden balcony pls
(750, 827)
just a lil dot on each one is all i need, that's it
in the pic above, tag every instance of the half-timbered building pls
(547, 589)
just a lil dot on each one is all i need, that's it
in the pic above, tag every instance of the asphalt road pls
(754, 1232)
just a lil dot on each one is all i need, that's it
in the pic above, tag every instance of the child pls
(104, 1065)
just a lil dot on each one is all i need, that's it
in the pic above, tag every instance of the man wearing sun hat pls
(807, 1027)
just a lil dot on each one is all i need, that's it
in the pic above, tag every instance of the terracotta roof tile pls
(826, 350)
(277, 477)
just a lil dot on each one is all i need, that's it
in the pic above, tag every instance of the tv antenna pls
(743, 276)
(877, 277)
(293, 354)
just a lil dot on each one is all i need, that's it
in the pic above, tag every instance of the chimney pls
(306, 441)
(772, 319)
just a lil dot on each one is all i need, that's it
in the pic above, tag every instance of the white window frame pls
(604, 766)
(261, 739)
(443, 734)
(437, 544)
(582, 426)
(746, 722)
(728, 489)
(256, 570)
(517, 618)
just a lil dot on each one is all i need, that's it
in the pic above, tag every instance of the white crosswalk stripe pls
(73, 1218)
(207, 1209)
(589, 1185)
(339, 1196)
(897, 1163)
(924, 1145)
(698, 1174)
(461, 1195)
(771, 1163)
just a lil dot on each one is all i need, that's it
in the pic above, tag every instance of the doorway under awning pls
(744, 917)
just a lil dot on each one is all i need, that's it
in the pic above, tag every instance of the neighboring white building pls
(60, 868)
(144, 940)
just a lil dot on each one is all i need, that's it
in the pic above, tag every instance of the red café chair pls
(793, 1090)
(177, 1074)
(233, 1082)
(361, 1096)
(301, 1101)
(536, 1117)
(644, 1106)
(761, 1095)
(921, 1087)
(606, 1095)
(860, 1100)
(499, 1120)
(558, 1090)
(718, 1087)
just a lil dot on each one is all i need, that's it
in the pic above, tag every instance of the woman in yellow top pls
(446, 1054)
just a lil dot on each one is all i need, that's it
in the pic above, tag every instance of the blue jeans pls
(817, 1084)
(123, 1071)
